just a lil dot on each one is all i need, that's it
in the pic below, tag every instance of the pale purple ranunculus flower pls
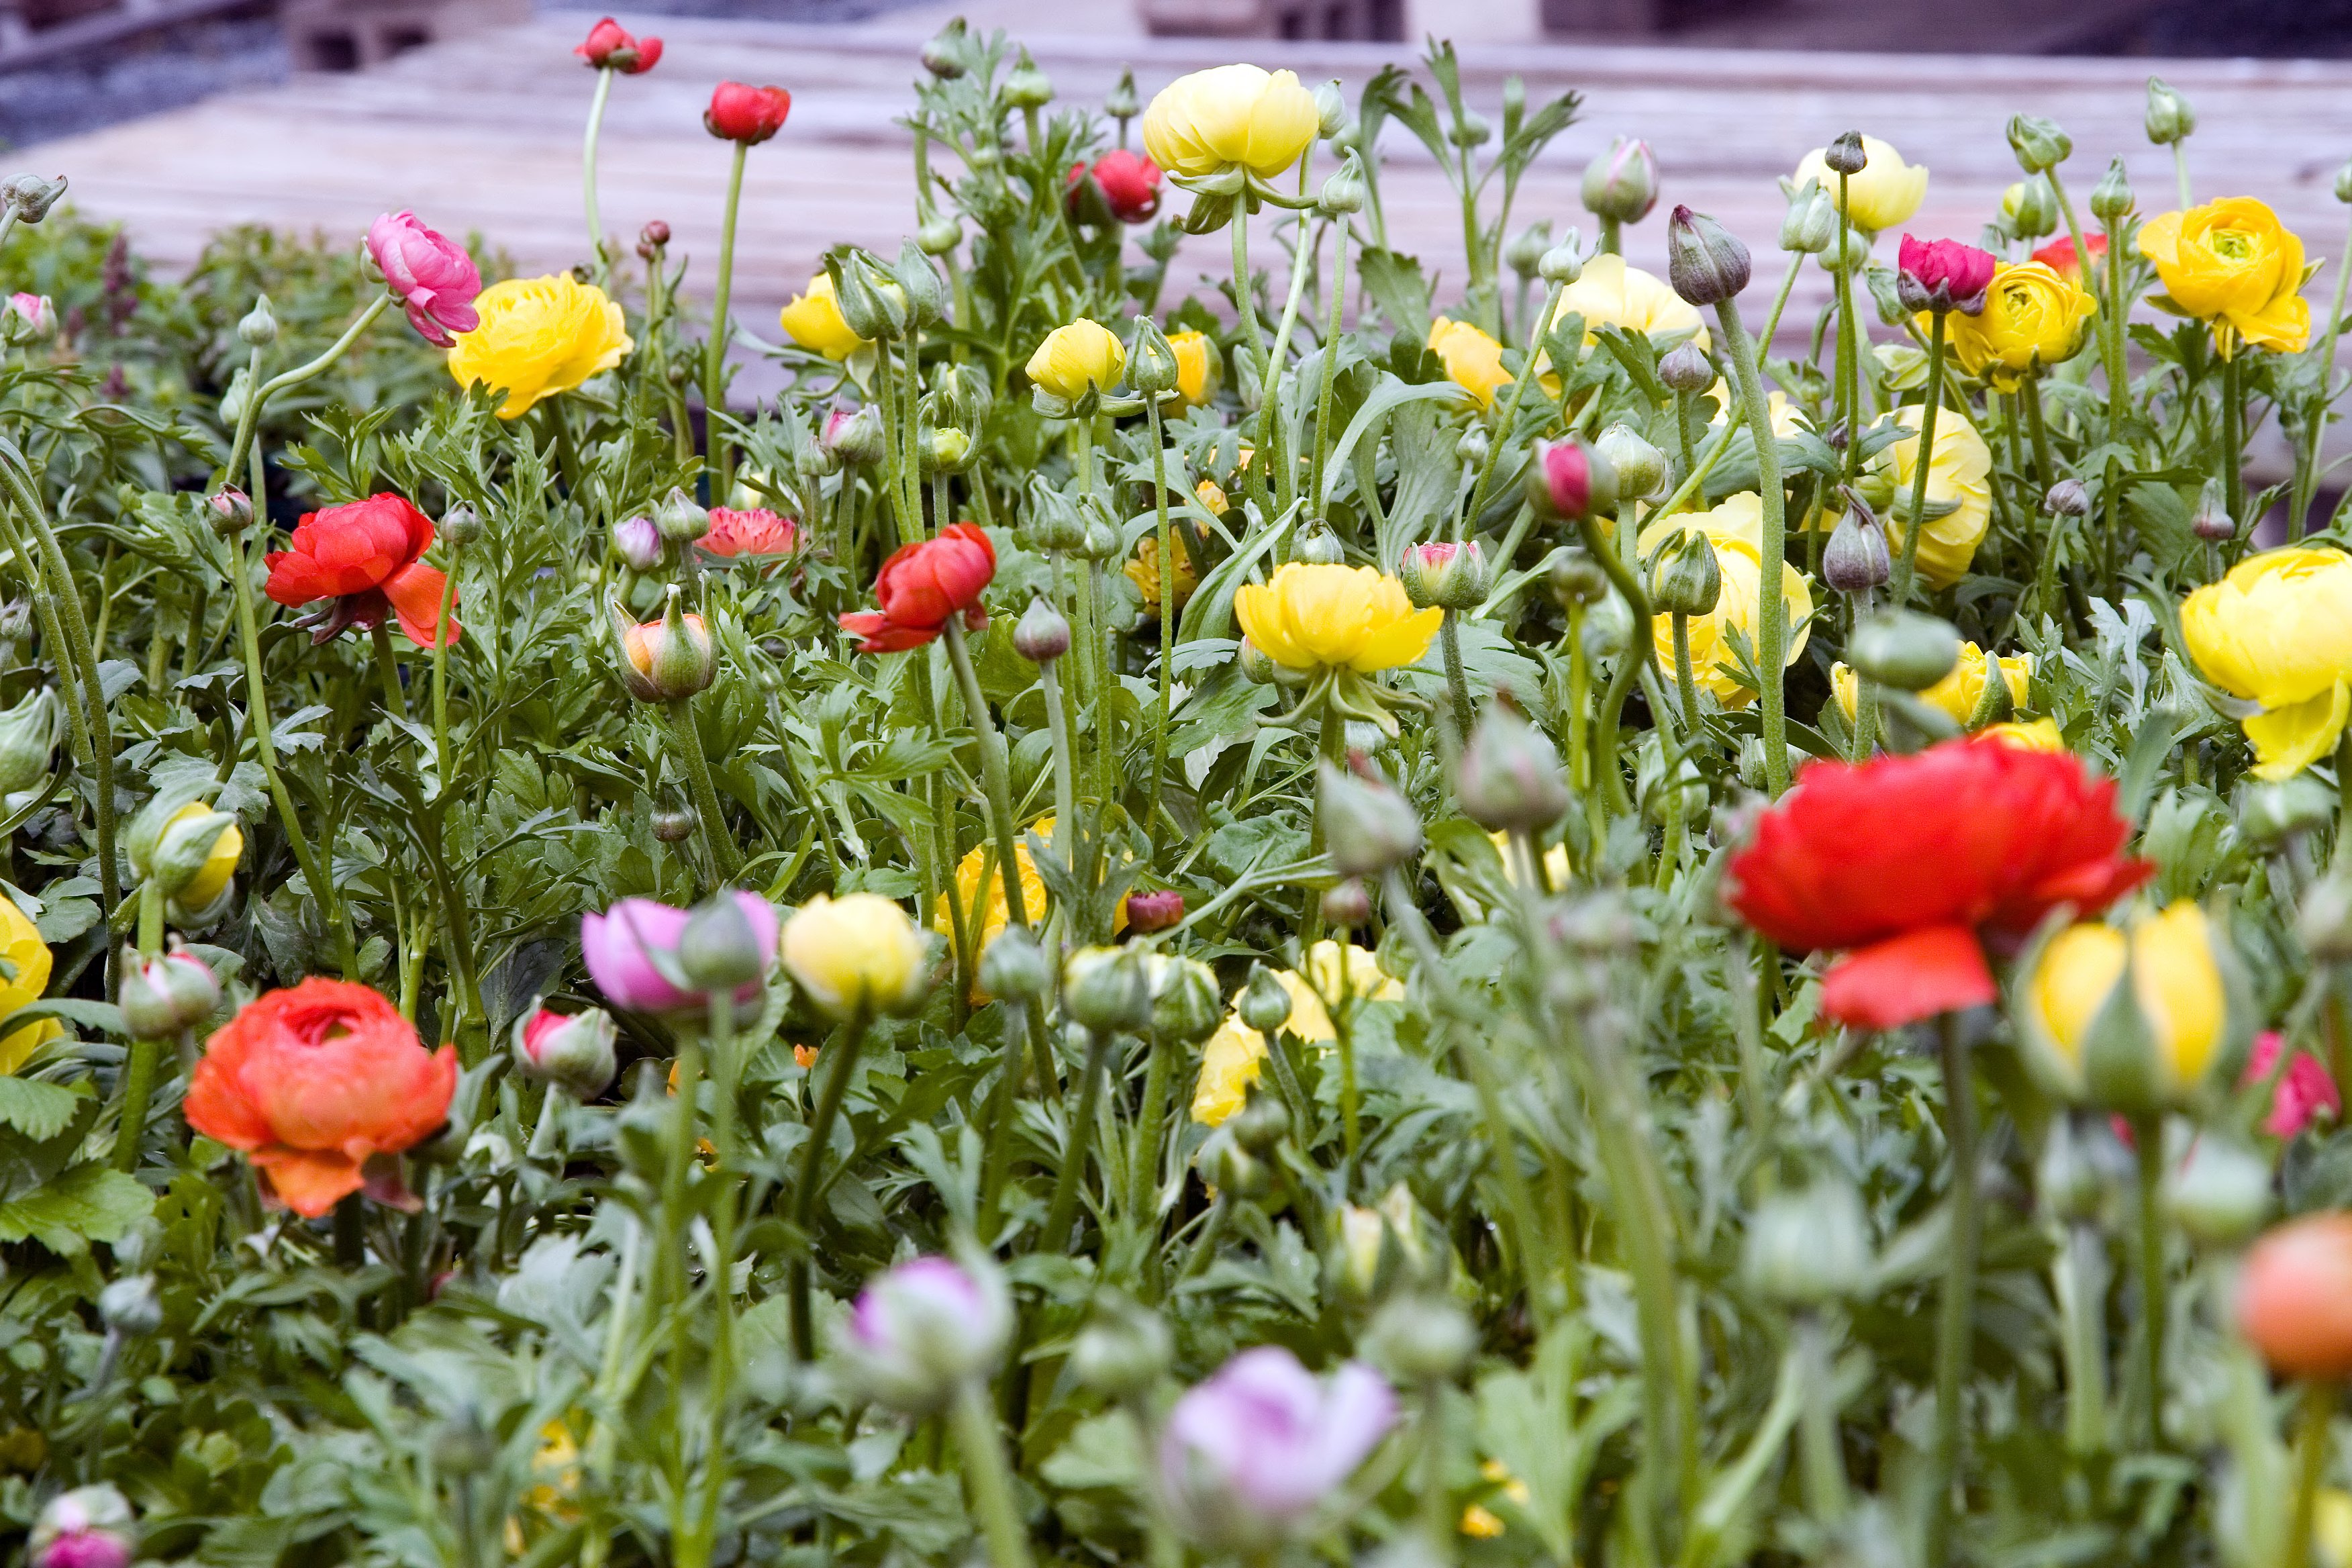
(922, 1328)
(1253, 1451)
(430, 274)
(89, 1527)
(619, 947)
(638, 541)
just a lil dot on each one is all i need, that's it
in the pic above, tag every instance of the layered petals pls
(2234, 264)
(367, 555)
(921, 586)
(538, 337)
(1232, 117)
(2277, 631)
(1315, 616)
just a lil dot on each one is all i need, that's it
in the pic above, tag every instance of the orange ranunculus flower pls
(312, 1081)
(2234, 264)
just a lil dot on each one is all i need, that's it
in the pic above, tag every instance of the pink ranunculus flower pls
(39, 315)
(1253, 1451)
(1943, 275)
(2303, 1091)
(921, 1328)
(629, 946)
(430, 274)
(752, 532)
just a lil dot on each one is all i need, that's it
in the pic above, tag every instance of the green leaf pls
(88, 1203)
(1396, 285)
(38, 1110)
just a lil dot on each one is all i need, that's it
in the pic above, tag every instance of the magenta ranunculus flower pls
(89, 1527)
(429, 273)
(1561, 478)
(1942, 274)
(631, 950)
(1253, 1452)
(919, 1331)
(2303, 1091)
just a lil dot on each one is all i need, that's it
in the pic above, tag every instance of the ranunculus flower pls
(2234, 264)
(2031, 735)
(539, 336)
(2278, 631)
(1315, 616)
(1943, 275)
(1231, 1062)
(1253, 1451)
(574, 1049)
(1232, 117)
(610, 45)
(858, 954)
(1608, 294)
(2034, 316)
(2060, 257)
(1904, 861)
(2294, 1297)
(1958, 477)
(979, 890)
(1143, 569)
(87, 1527)
(1622, 183)
(1157, 910)
(1736, 530)
(1473, 360)
(2179, 992)
(1130, 184)
(921, 586)
(314, 1081)
(741, 113)
(368, 557)
(1886, 193)
(29, 961)
(631, 951)
(921, 1328)
(431, 276)
(1199, 367)
(2302, 1091)
(1075, 358)
(754, 531)
(813, 320)
(1960, 691)
(38, 314)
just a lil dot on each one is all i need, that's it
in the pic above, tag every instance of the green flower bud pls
(1640, 467)
(1686, 368)
(1563, 263)
(1509, 779)
(1367, 827)
(2029, 208)
(1471, 130)
(1578, 579)
(28, 735)
(1806, 1249)
(1262, 1122)
(1421, 1339)
(1451, 576)
(2220, 1193)
(1525, 253)
(258, 328)
(1330, 109)
(129, 1306)
(1687, 580)
(2038, 143)
(718, 949)
(1347, 904)
(1151, 366)
(1904, 649)
(679, 520)
(1846, 156)
(1319, 548)
(1621, 184)
(2111, 198)
(1106, 990)
(1704, 261)
(871, 300)
(926, 296)
(1121, 103)
(1013, 967)
(939, 236)
(1122, 1351)
(1027, 87)
(1344, 191)
(1186, 1006)
(943, 56)
(1231, 1168)
(1265, 1006)
(1042, 634)
(1857, 560)
(1810, 224)
(674, 826)
(2325, 921)
(2169, 118)
(948, 451)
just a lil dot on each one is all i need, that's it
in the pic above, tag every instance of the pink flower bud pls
(1943, 275)
(1149, 912)
(575, 1052)
(36, 311)
(163, 996)
(920, 1330)
(89, 1527)
(610, 46)
(631, 951)
(1570, 479)
(431, 276)
(1250, 1454)
(1449, 575)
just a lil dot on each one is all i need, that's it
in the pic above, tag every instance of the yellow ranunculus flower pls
(814, 320)
(2331, 1529)
(1073, 358)
(1887, 192)
(1555, 861)
(1960, 691)
(1608, 293)
(539, 336)
(1212, 497)
(1736, 530)
(1231, 1062)
(2231, 263)
(2031, 317)
(1315, 616)
(28, 956)
(220, 866)
(1143, 571)
(1333, 969)
(1234, 117)
(2278, 631)
(1473, 360)
(2175, 980)
(856, 955)
(1200, 368)
(1958, 477)
(2028, 735)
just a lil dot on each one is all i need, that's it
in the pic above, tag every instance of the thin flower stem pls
(840, 1061)
(2112, 335)
(1956, 1326)
(2233, 441)
(588, 172)
(2180, 171)
(717, 1456)
(993, 775)
(2147, 1134)
(1628, 663)
(248, 419)
(1058, 723)
(2081, 1275)
(1150, 1124)
(1779, 303)
(1002, 1115)
(716, 840)
(2307, 479)
(723, 329)
(138, 1088)
(2311, 1445)
(387, 669)
(1824, 1464)
(1458, 683)
(442, 639)
(1165, 537)
(1772, 607)
(982, 1447)
(1923, 459)
(1315, 473)
(1078, 1142)
(1686, 680)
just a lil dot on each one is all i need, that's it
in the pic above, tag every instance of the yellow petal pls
(2288, 740)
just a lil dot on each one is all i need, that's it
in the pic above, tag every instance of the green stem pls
(442, 639)
(1002, 1114)
(723, 329)
(1165, 544)
(1151, 1124)
(840, 1065)
(1779, 303)
(1772, 607)
(717, 1456)
(1906, 568)
(2147, 1135)
(588, 172)
(986, 1473)
(387, 669)
(2111, 334)
(2310, 1469)
(715, 839)
(1315, 480)
(1077, 1143)
(1457, 684)
(2299, 508)
(1502, 435)
(1685, 678)
(138, 1088)
(1956, 1326)
(1065, 794)
(2233, 441)
(2081, 1299)
(1824, 1464)
(1628, 663)
(249, 420)
(994, 775)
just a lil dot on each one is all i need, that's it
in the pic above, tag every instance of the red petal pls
(1907, 978)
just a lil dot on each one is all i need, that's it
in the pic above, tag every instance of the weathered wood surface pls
(484, 134)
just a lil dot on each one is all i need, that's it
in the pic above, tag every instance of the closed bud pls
(854, 436)
(1318, 548)
(185, 850)
(1704, 261)
(1563, 263)
(1525, 253)
(1343, 193)
(2325, 921)
(575, 1052)
(939, 236)
(1153, 911)
(1265, 1006)
(1686, 369)
(129, 1306)
(1186, 1006)
(1152, 368)
(2040, 145)
(1640, 467)
(2067, 497)
(2219, 1192)
(668, 659)
(31, 195)
(1576, 579)
(1846, 156)
(943, 56)
(1121, 103)
(2344, 184)
(2169, 118)
(681, 520)
(1106, 990)
(1686, 580)
(461, 1448)
(1347, 904)
(1449, 575)
(653, 240)
(1367, 828)
(1330, 109)
(1570, 479)
(872, 302)
(1262, 1122)
(1607, 628)
(1013, 967)
(28, 736)
(229, 510)
(87, 1527)
(1100, 542)
(1027, 87)
(926, 296)
(165, 997)
(1810, 223)
(1855, 559)
(1040, 636)
(2211, 520)
(1622, 184)
(948, 451)
(259, 328)
(718, 951)
(2111, 198)
(1470, 449)
(1509, 779)
(1808, 1248)
(924, 1330)
(1232, 1169)
(1904, 649)
(1122, 1351)
(674, 826)
(637, 541)
(2029, 208)
(461, 526)
(1421, 1339)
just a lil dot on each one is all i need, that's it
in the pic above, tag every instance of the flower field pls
(1326, 913)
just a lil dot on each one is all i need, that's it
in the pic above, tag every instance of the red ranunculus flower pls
(610, 44)
(922, 585)
(1905, 863)
(1129, 182)
(756, 532)
(2060, 257)
(366, 556)
(739, 112)
(314, 1081)
(1943, 275)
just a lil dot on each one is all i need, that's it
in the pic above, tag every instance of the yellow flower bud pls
(28, 955)
(2031, 317)
(1312, 617)
(856, 955)
(539, 336)
(1886, 193)
(2175, 981)
(211, 877)
(2234, 264)
(1073, 358)
(1736, 530)
(2278, 631)
(1234, 117)
(813, 320)
(1199, 367)
(2029, 735)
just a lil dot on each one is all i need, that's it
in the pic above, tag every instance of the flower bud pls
(2070, 1178)
(1106, 990)
(1525, 253)
(1421, 1339)
(926, 296)
(872, 302)
(668, 659)
(1470, 449)
(653, 240)
(943, 56)
(1509, 778)
(2038, 143)
(1810, 223)
(89, 1527)
(2067, 497)
(681, 520)
(1367, 828)
(2325, 921)
(2344, 184)
(28, 319)
(28, 737)
(1231, 1168)
(1013, 967)
(2169, 118)
(1100, 542)
(258, 328)
(1040, 636)
(1570, 479)
(2212, 521)
(1330, 109)
(718, 949)
(163, 998)
(1686, 369)
(229, 510)
(1640, 467)
(1153, 911)
(1027, 87)
(924, 1329)
(1256, 667)
(1807, 1248)
(2294, 1297)
(1621, 184)
(194, 855)
(576, 1052)
(1152, 368)
(854, 436)
(2111, 198)
(1686, 580)
(128, 1307)
(1448, 575)
(1855, 559)
(2220, 1193)
(948, 451)
(1344, 191)
(1122, 1351)
(1262, 1122)
(1347, 904)
(31, 195)
(1318, 547)
(939, 236)
(1578, 579)
(674, 826)
(1186, 1006)
(1564, 262)
(1265, 1004)
(461, 525)
(1846, 156)
(637, 541)
(1904, 649)
(1121, 103)
(1704, 261)
(2029, 208)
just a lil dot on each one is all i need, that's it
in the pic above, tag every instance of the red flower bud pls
(1129, 184)
(747, 114)
(1149, 912)
(1942, 274)
(2294, 1297)
(923, 586)
(610, 47)
(2060, 257)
